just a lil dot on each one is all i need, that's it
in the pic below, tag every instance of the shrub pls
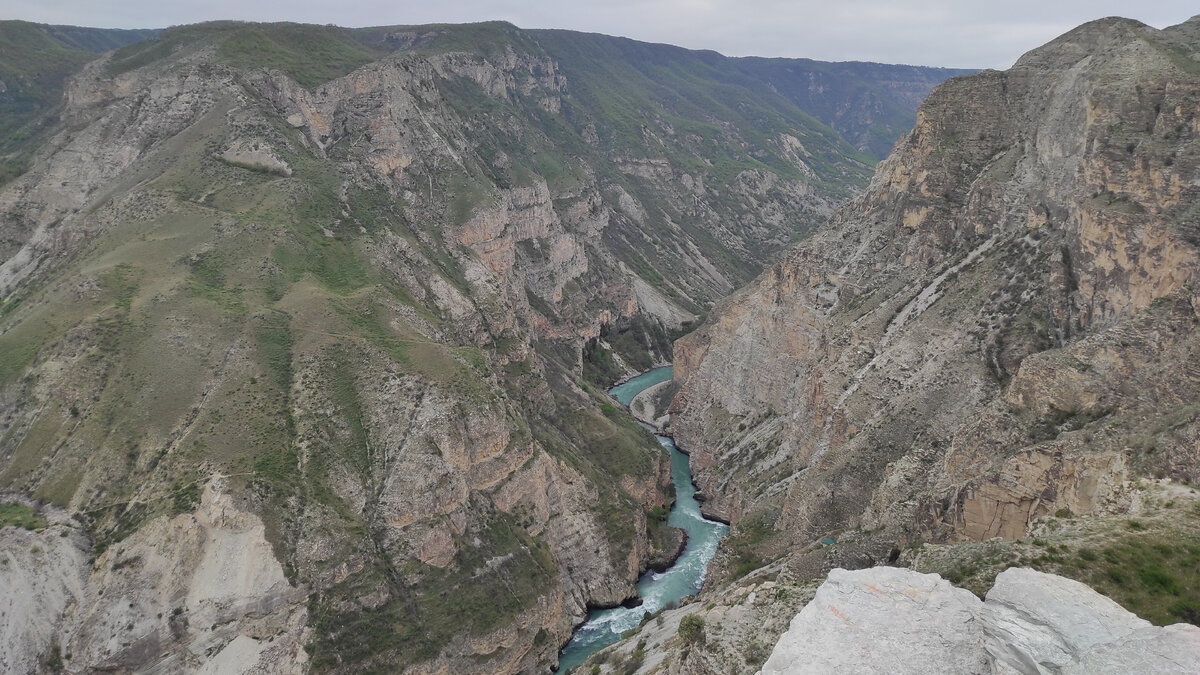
(1158, 580)
(756, 653)
(691, 629)
(21, 516)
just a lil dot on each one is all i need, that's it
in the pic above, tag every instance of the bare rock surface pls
(197, 592)
(883, 618)
(893, 620)
(41, 573)
(256, 154)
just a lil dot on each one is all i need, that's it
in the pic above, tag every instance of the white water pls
(657, 589)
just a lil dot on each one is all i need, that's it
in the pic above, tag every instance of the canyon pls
(988, 360)
(983, 369)
(307, 333)
(305, 330)
(992, 333)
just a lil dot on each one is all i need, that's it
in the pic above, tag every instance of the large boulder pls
(891, 620)
(885, 619)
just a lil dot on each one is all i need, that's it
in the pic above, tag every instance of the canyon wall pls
(1002, 328)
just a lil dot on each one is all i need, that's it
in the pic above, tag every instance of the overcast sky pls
(956, 33)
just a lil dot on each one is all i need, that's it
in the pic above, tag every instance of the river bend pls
(656, 589)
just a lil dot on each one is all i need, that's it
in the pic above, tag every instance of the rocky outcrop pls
(198, 592)
(44, 210)
(257, 155)
(985, 337)
(42, 574)
(650, 406)
(377, 474)
(740, 628)
(891, 620)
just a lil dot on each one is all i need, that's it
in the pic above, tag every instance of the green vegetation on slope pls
(498, 572)
(649, 121)
(630, 86)
(19, 515)
(311, 55)
(35, 61)
(486, 38)
(1148, 563)
(237, 321)
(636, 340)
(870, 104)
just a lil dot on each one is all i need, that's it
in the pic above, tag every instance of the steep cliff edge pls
(870, 104)
(898, 621)
(35, 62)
(1002, 330)
(212, 270)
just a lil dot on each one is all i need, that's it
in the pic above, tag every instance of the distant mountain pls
(869, 104)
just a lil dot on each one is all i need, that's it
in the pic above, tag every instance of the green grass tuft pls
(20, 515)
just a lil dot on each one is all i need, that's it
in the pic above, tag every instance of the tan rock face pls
(1032, 484)
(128, 125)
(256, 154)
(197, 591)
(365, 301)
(986, 336)
(425, 464)
(42, 574)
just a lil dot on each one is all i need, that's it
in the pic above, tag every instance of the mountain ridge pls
(986, 361)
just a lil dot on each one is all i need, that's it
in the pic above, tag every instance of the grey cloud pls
(960, 33)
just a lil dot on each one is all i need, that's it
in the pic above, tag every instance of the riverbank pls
(658, 589)
(650, 406)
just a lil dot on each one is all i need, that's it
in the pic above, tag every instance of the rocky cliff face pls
(310, 306)
(36, 61)
(1002, 329)
(1038, 617)
(239, 319)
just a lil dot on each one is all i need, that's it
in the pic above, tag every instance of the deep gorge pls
(331, 312)
(656, 589)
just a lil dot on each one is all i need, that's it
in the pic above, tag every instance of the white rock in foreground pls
(892, 620)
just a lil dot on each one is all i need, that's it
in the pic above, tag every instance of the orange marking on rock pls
(838, 614)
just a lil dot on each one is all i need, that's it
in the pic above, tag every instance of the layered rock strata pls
(996, 332)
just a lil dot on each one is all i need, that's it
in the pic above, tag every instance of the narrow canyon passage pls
(656, 589)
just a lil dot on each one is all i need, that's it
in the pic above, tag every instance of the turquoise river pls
(656, 589)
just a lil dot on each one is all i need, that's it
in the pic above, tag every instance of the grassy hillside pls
(634, 84)
(35, 60)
